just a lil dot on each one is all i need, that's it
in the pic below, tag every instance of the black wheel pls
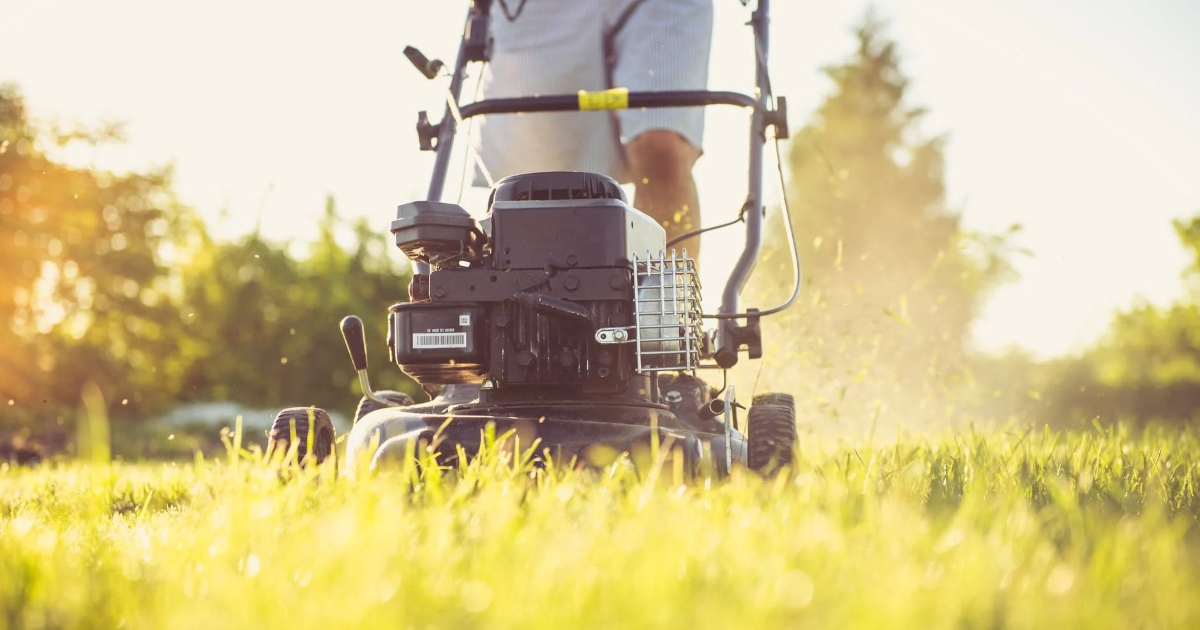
(366, 405)
(771, 425)
(774, 398)
(302, 421)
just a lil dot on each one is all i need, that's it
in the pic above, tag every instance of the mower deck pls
(588, 432)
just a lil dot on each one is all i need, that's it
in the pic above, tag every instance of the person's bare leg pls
(661, 163)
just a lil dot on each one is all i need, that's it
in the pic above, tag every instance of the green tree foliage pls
(892, 282)
(282, 313)
(109, 279)
(1145, 368)
(83, 287)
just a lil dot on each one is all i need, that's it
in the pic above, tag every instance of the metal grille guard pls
(668, 329)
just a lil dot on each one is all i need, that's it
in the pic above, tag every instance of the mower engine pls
(563, 285)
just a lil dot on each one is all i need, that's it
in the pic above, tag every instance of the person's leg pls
(664, 45)
(661, 162)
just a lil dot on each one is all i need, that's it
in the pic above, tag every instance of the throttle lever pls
(352, 333)
(427, 67)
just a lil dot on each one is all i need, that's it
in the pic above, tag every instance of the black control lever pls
(555, 307)
(427, 67)
(352, 332)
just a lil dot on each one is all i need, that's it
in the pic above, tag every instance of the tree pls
(1147, 365)
(279, 315)
(892, 282)
(83, 288)
(109, 279)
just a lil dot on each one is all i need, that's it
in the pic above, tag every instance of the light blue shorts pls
(557, 47)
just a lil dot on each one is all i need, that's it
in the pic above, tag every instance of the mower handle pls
(731, 337)
(618, 98)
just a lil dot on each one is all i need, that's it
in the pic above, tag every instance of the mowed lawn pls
(1009, 529)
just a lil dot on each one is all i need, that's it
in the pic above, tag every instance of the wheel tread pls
(280, 434)
(772, 431)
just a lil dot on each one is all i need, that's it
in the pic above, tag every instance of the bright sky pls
(1075, 118)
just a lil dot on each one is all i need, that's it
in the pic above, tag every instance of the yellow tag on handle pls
(616, 98)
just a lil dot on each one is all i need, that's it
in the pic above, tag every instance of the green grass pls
(1004, 529)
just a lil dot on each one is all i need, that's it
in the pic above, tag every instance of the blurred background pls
(995, 205)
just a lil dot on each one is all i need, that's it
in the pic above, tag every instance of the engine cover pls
(558, 264)
(568, 220)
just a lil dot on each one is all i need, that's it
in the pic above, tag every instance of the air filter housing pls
(436, 233)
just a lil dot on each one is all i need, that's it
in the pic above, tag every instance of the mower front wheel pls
(302, 422)
(771, 425)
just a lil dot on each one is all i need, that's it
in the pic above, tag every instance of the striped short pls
(558, 47)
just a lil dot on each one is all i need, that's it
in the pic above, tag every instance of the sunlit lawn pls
(1007, 529)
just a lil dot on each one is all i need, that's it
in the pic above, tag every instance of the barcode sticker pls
(427, 341)
(464, 319)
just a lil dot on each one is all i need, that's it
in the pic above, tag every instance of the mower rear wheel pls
(366, 405)
(775, 398)
(771, 442)
(306, 421)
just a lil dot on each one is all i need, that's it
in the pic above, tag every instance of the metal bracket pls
(735, 338)
(478, 42)
(777, 118)
(728, 420)
(427, 132)
(615, 335)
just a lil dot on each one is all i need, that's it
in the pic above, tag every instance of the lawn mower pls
(563, 319)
